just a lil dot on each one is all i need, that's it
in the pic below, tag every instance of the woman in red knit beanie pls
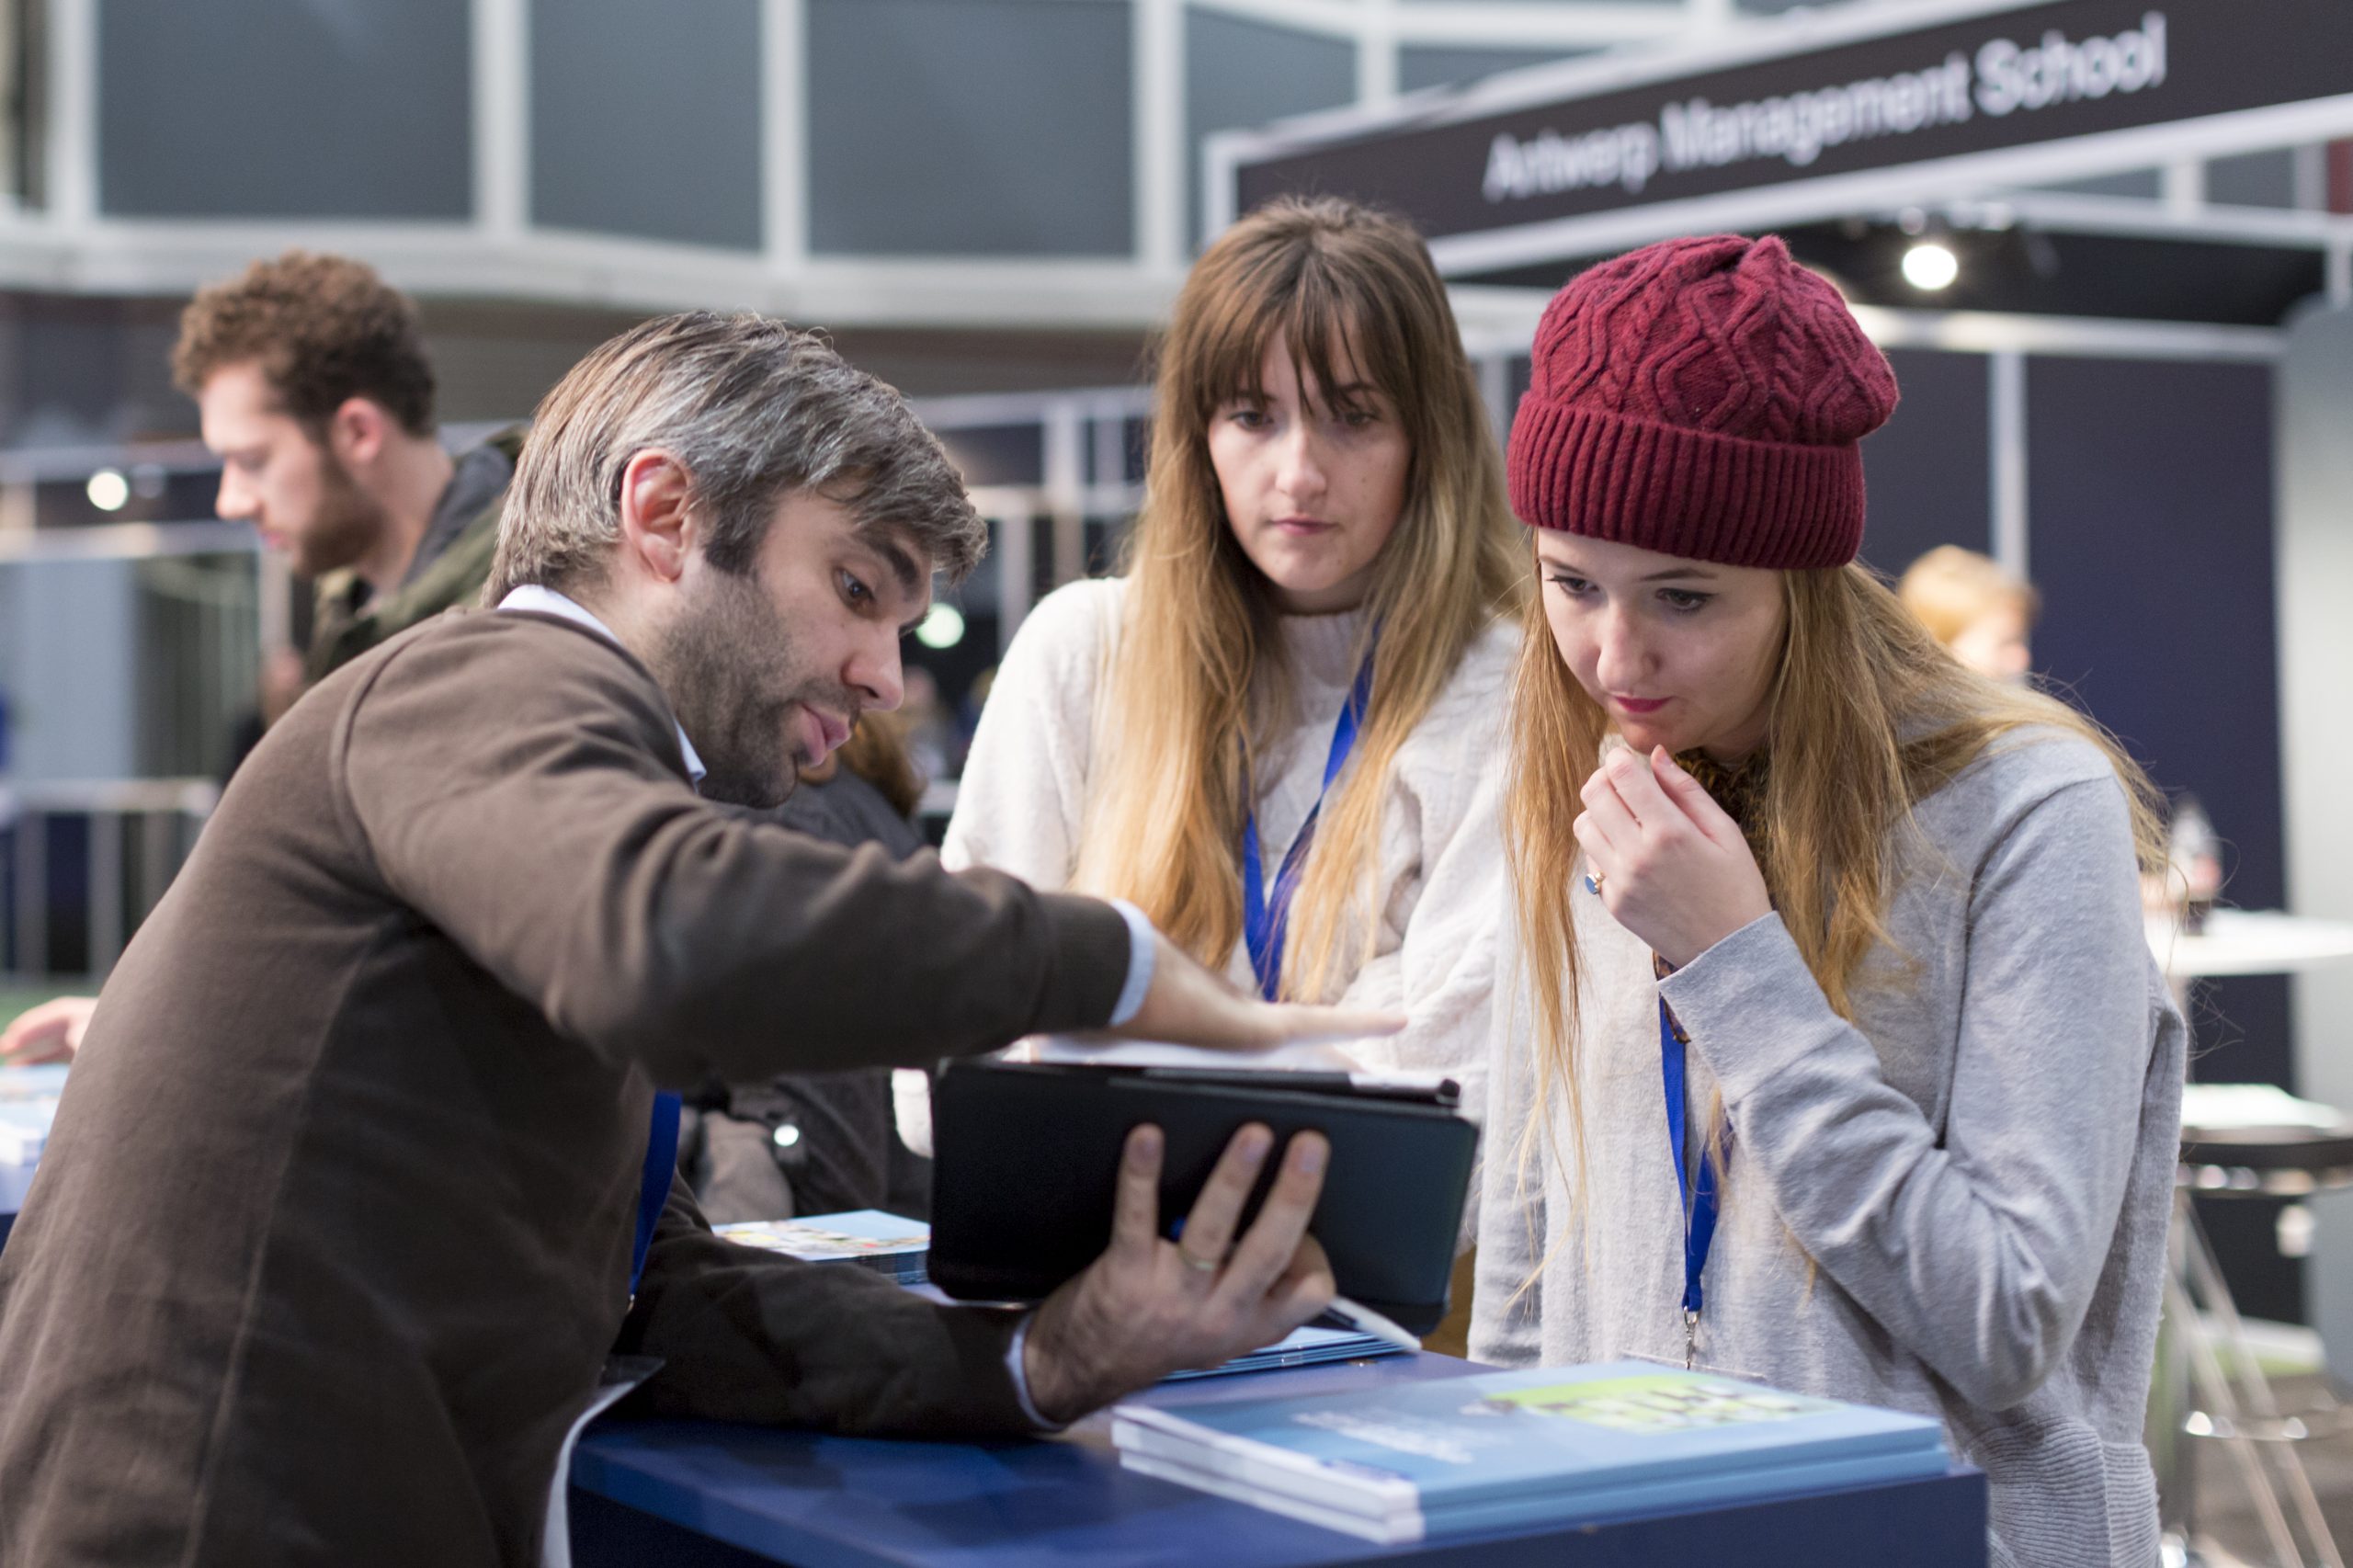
(1831, 1052)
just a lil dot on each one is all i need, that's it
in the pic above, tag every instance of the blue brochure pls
(1546, 1444)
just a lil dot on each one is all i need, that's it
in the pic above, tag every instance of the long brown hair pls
(1346, 289)
(1867, 717)
(877, 751)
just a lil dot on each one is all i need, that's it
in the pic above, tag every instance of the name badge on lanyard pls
(1699, 1189)
(653, 1184)
(1265, 922)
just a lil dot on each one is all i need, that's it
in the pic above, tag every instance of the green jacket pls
(346, 625)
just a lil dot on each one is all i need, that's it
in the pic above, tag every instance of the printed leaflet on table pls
(1564, 1445)
(888, 1244)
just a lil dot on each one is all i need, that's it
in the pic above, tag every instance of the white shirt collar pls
(547, 601)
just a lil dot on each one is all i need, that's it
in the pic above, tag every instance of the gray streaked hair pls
(752, 409)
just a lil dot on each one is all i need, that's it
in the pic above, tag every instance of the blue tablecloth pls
(693, 1492)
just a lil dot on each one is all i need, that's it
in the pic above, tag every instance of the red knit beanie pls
(1701, 398)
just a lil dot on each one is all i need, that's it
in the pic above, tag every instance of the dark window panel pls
(1240, 73)
(970, 127)
(997, 454)
(645, 119)
(1928, 472)
(2133, 182)
(2253, 179)
(278, 109)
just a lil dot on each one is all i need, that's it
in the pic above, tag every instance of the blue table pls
(694, 1493)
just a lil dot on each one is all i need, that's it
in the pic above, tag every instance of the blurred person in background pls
(313, 387)
(1280, 732)
(311, 383)
(927, 731)
(819, 1143)
(1981, 610)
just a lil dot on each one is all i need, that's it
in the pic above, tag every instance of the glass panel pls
(1240, 73)
(997, 454)
(970, 127)
(674, 156)
(285, 108)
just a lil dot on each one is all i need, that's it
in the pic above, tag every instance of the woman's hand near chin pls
(1672, 867)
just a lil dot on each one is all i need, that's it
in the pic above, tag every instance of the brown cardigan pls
(332, 1235)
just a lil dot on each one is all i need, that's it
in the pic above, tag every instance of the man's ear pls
(357, 430)
(657, 530)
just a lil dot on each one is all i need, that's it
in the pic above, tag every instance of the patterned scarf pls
(1739, 790)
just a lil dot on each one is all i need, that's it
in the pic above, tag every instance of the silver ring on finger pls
(1205, 1265)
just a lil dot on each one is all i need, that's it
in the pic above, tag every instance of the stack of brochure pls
(1310, 1345)
(1559, 1446)
(28, 1103)
(890, 1244)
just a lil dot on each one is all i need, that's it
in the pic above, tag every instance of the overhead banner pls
(1998, 80)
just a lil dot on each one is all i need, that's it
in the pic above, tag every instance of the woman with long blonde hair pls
(1829, 1050)
(1278, 733)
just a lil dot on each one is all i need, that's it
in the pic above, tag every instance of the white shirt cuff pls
(1020, 1372)
(1143, 944)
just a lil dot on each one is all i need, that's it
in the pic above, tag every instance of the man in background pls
(313, 387)
(311, 380)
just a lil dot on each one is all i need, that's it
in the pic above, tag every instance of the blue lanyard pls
(1699, 1192)
(653, 1187)
(1264, 926)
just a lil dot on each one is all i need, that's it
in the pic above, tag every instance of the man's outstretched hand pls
(1150, 1306)
(1187, 1005)
(50, 1033)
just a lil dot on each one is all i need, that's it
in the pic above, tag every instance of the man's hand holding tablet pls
(1150, 1306)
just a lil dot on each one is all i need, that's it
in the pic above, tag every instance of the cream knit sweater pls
(1440, 864)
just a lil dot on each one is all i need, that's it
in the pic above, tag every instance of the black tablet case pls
(1027, 1160)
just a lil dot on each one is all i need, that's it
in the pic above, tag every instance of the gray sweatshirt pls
(1956, 1206)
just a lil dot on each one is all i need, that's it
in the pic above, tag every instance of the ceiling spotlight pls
(108, 489)
(1930, 267)
(943, 627)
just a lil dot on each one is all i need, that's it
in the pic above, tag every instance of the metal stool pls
(2235, 1162)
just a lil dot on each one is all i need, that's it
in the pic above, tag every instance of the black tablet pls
(1027, 1159)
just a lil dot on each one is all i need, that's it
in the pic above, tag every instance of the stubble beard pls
(733, 675)
(347, 525)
